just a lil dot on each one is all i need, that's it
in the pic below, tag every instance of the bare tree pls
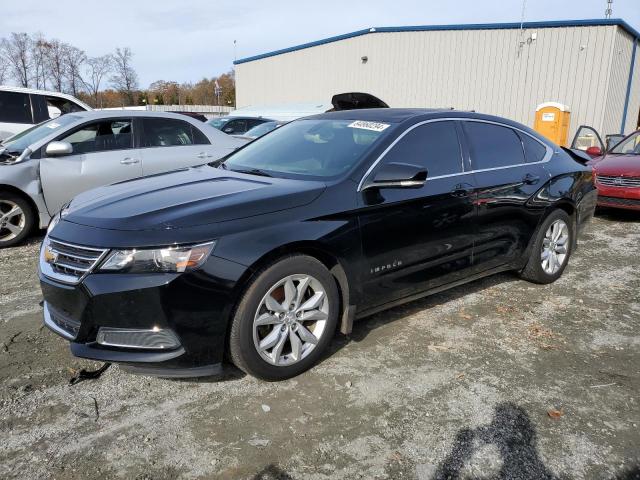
(17, 52)
(125, 78)
(56, 64)
(4, 69)
(74, 58)
(96, 69)
(39, 46)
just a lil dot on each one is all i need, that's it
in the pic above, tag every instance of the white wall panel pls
(483, 70)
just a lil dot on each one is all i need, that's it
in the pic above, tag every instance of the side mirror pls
(58, 149)
(228, 130)
(594, 151)
(397, 175)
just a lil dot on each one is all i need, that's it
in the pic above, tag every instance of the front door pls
(417, 239)
(509, 171)
(588, 140)
(102, 154)
(169, 144)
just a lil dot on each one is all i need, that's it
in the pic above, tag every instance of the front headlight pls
(162, 260)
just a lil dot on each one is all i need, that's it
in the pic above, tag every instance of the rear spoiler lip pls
(578, 155)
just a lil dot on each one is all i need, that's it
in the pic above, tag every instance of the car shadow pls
(363, 327)
(618, 214)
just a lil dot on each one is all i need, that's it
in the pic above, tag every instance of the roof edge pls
(471, 26)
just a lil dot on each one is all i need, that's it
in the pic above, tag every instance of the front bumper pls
(195, 307)
(619, 197)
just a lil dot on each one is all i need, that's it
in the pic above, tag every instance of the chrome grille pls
(67, 262)
(612, 181)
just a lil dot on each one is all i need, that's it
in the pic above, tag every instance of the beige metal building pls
(592, 66)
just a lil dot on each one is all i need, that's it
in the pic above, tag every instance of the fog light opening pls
(155, 338)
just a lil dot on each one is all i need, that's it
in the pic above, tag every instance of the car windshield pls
(218, 122)
(314, 148)
(22, 140)
(629, 146)
(261, 129)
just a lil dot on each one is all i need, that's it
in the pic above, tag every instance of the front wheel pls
(551, 249)
(285, 319)
(16, 219)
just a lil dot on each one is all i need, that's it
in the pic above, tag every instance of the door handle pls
(129, 161)
(462, 190)
(530, 179)
(201, 155)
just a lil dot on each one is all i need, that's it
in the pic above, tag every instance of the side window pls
(493, 145)
(434, 145)
(57, 106)
(534, 151)
(101, 136)
(166, 132)
(235, 126)
(15, 107)
(253, 123)
(199, 138)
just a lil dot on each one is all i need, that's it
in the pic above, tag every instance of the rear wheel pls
(285, 319)
(551, 250)
(16, 219)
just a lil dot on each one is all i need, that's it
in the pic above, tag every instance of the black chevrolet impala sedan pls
(260, 258)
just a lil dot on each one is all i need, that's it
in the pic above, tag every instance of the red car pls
(617, 171)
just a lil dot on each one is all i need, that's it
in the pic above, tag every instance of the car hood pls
(626, 165)
(188, 198)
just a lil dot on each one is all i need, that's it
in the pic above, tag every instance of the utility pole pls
(609, 10)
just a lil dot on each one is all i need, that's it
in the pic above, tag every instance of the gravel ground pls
(496, 379)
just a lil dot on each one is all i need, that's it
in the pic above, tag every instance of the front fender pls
(24, 177)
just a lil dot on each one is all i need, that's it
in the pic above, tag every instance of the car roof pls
(7, 88)
(243, 117)
(412, 115)
(122, 112)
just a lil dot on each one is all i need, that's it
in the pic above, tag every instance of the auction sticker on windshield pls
(375, 126)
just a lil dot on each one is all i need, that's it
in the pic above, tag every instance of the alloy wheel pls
(290, 320)
(12, 220)
(555, 247)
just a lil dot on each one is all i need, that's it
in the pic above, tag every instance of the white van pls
(21, 108)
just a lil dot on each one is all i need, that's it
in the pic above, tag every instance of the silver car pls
(44, 167)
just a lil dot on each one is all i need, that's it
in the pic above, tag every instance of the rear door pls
(509, 171)
(102, 154)
(419, 238)
(168, 144)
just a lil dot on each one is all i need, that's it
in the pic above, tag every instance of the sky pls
(190, 39)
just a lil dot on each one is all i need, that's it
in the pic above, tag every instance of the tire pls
(16, 219)
(536, 270)
(293, 350)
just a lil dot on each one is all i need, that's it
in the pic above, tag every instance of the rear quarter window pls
(534, 151)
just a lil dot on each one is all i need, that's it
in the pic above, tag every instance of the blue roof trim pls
(473, 26)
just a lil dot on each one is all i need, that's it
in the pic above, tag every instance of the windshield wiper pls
(252, 171)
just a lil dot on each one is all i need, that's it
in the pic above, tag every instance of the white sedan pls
(44, 167)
